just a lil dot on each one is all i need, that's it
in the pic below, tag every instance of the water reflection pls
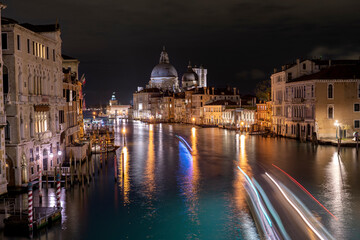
(338, 197)
(189, 180)
(150, 165)
(123, 169)
(246, 223)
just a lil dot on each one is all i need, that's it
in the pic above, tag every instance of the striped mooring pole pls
(58, 191)
(30, 206)
(40, 185)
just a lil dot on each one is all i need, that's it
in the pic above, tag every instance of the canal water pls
(164, 192)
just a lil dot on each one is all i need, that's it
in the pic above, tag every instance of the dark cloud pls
(118, 42)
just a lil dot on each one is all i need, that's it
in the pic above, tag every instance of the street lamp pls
(193, 120)
(336, 124)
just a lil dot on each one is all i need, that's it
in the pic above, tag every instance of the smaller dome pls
(190, 75)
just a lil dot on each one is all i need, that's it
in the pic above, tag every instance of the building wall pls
(3, 168)
(346, 94)
(33, 102)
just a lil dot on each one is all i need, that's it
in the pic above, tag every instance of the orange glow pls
(124, 130)
(150, 165)
(124, 174)
(239, 196)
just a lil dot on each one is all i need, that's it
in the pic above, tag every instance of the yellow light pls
(94, 113)
(124, 130)
(193, 119)
(242, 123)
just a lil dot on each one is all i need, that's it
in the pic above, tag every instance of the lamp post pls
(193, 120)
(336, 124)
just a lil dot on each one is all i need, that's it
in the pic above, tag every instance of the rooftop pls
(333, 72)
(34, 28)
(222, 102)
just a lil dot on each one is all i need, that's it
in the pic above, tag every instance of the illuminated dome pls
(190, 75)
(189, 79)
(164, 75)
(164, 70)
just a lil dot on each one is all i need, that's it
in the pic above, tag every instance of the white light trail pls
(296, 209)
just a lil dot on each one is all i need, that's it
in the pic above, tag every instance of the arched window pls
(20, 82)
(7, 131)
(330, 112)
(31, 126)
(22, 128)
(330, 91)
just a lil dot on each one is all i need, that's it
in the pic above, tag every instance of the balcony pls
(23, 98)
(44, 136)
(298, 100)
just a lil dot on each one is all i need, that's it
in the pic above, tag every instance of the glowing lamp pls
(59, 153)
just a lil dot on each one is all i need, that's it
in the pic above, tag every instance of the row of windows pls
(38, 49)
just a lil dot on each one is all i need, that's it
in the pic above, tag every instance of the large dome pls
(164, 70)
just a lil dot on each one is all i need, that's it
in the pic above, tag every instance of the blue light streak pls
(257, 196)
(184, 142)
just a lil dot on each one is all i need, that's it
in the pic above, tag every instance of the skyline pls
(240, 44)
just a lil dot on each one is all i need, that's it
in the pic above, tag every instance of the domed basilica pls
(165, 77)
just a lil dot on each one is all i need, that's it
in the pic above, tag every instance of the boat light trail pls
(296, 209)
(184, 142)
(257, 196)
(306, 191)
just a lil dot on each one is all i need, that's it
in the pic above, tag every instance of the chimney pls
(234, 90)
(282, 67)
(298, 61)
(213, 90)
(275, 70)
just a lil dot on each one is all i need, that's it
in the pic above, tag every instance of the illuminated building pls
(116, 110)
(33, 94)
(4, 163)
(309, 96)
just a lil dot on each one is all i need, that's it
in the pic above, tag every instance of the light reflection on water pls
(164, 192)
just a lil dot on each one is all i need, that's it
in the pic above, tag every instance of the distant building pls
(202, 74)
(116, 110)
(194, 77)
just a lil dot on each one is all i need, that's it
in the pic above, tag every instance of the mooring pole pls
(30, 207)
(58, 191)
(40, 185)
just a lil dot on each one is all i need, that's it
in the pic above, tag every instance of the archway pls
(10, 172)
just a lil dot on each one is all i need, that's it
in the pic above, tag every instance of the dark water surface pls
(164, 192)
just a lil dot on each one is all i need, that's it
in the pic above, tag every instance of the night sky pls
(239, 42)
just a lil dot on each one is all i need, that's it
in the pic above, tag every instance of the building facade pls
(33, 97)
(304, 102)
(4, 170)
